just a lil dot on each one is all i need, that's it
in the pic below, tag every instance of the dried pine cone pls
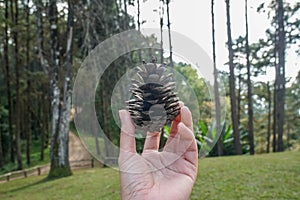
(154, 102)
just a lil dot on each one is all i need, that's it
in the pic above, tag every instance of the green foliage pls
(206, 138)
(193, 90)
(262, 56)
(203, 128)
(35, 156)
(292, 114)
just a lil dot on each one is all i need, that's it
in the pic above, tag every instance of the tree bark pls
(250, 104)
(44, 99)
(43, 134)
(8, 85)
(40, 36)
(1, 149)
(59, 152)
(161, 23)
(45, 66)
(216, 86)
(15, 13)
(96, 140)
(28, 90)
(126, 22)
(55, 100)
(236, 133)
(239, 91)
(66, 107)
(280, 83)
(269, 118)
(139, 26)
(274, 141)
(105, 118)
(169, 30)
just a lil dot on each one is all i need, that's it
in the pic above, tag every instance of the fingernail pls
(126, 122)
(181, 104)
(185, 111)
(185, 108)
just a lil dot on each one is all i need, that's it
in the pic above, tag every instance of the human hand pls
(169, 174)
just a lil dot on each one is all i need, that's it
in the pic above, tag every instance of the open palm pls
(169, 174)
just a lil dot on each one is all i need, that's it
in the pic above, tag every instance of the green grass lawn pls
(272, 176)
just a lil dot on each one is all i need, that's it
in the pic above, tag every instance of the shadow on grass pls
(43, 181)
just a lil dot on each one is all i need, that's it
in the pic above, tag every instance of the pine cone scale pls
(155, 101)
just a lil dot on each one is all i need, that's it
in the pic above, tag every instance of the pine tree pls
(280, 74)
(216, 85)
(236, 133)
(250, 104)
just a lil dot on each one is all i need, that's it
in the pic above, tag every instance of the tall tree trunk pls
(98, 151)
(105, 118)
(163, 140)
(66, 108)
(236, 133)
(1, 148)
(216, 85)
(280, 83)
(169, 30)
(239, 108)
(161, 31)
(45, 66)
(28, 90)
(40, 36)
(126, 22)
(54, 152)
(44, 104)
(288, 135)
(15, 13)
(139, 26)
(59, 153)
(269, 118)
(65, 120)
(87, 44)
(43, 134)
(47, 120)
(274, 141)
(250, 104)
(8, 85)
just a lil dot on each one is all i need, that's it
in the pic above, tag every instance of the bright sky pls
(193, 19)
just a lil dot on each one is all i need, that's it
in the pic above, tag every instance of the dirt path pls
(78, 155)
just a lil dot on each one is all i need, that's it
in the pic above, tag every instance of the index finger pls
(176, 121)
(127, 138)
(186, 117)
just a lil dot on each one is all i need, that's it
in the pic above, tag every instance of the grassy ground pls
(273, 176)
